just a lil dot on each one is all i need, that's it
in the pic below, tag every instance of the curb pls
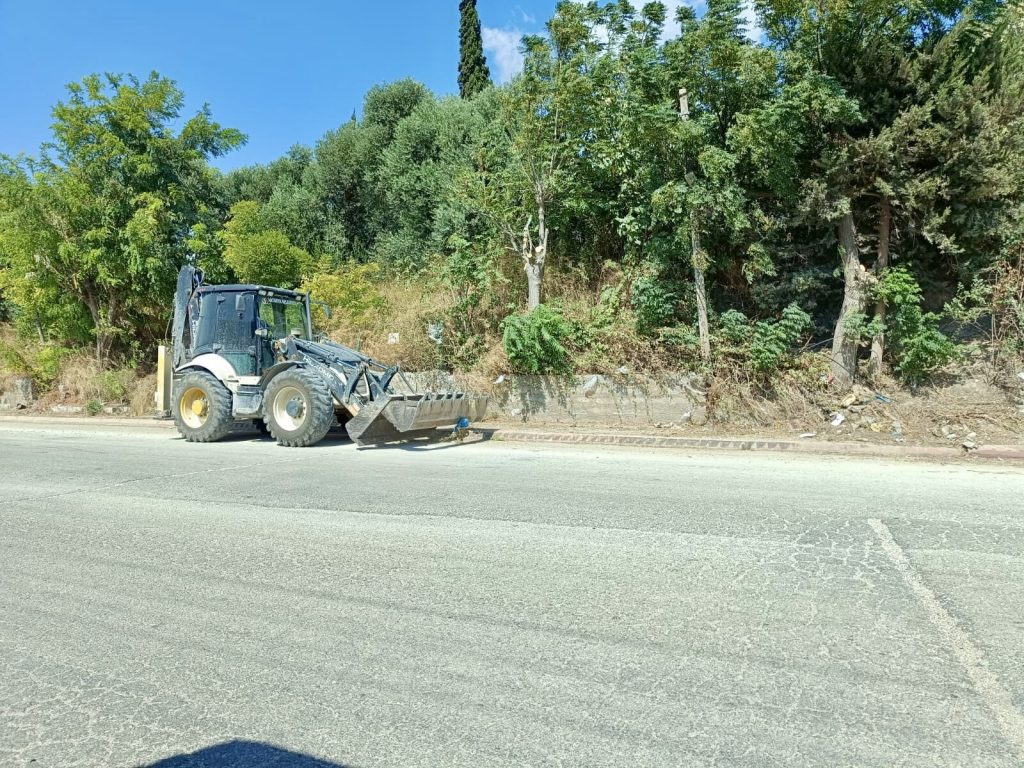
(948, 453)
(626, 439)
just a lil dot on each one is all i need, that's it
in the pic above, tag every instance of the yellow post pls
(164, 368)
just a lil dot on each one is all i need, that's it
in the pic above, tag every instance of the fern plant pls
(773, 340)
(534, 341)
(919, 347)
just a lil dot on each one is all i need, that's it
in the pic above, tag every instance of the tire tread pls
(219, 422)
(322, 416)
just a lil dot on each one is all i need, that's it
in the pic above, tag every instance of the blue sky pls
(282, 72)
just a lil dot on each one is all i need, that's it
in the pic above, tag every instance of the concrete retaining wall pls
(631, 401)
(635, 401)
(19, 394)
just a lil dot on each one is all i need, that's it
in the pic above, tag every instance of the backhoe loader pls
(248, 353)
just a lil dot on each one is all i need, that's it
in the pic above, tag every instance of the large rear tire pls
(298, 408)
(201, 407)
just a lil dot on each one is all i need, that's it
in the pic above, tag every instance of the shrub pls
(734, 327)
(46, 367)
(113, 385)
(350, 292)
(923, 347)
(534, 341)
(918, 346)
(260, 255)
(654, 304)
(682, 337)
(1007, 302)
(401, 251)
(13, 360)
(774, 339)
(763, 347)
(42, 363)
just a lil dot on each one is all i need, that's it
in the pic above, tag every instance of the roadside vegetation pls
(842, 200)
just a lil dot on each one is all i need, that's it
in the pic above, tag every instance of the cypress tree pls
(473, 73)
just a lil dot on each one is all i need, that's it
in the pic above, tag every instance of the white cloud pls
(752, 29)
(671, 25)
(526, 17)
(502, 43)
(502, 48)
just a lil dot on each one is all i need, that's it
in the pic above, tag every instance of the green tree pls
(345, 177)
(102, 220)
(258, 254)
(430, 149)
(868, 49)
(385, 106)
(720, 74)
(522, 171)
(473, 73)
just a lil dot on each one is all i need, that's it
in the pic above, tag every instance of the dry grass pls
(74, 377)
(78, 379)
(964, 400)
(409, 307)
(794, 399)
(13, 364)
(140, 396)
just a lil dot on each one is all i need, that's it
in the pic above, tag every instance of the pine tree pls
(473, 73)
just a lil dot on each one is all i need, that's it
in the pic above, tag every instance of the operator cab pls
(240, 323)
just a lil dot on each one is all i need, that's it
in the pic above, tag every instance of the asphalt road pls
(239, 604)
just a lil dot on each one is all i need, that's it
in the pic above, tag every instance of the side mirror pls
(263, 333)
(324, 306)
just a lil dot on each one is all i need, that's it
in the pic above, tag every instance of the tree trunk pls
(534, 278)
(701, 291)
(878, 342)
(104, 342)
(100, 322)
(844, 350)
(534, 254)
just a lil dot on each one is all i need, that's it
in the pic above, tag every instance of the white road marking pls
(992, 692)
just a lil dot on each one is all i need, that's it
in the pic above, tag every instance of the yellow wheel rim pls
(194, 408)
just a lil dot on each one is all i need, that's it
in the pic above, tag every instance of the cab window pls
(283, 317)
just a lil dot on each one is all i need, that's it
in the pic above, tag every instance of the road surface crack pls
(993, 693)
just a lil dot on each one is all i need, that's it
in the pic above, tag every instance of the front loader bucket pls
(401, 417)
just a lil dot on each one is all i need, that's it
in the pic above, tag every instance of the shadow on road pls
(338, 436)
(441, 442)
(250, 754)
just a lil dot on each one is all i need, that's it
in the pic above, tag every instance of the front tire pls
(298, 408)
(202, 407)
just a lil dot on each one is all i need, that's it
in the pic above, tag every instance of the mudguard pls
(217, 365)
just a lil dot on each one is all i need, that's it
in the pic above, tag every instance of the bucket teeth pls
(399, 417)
